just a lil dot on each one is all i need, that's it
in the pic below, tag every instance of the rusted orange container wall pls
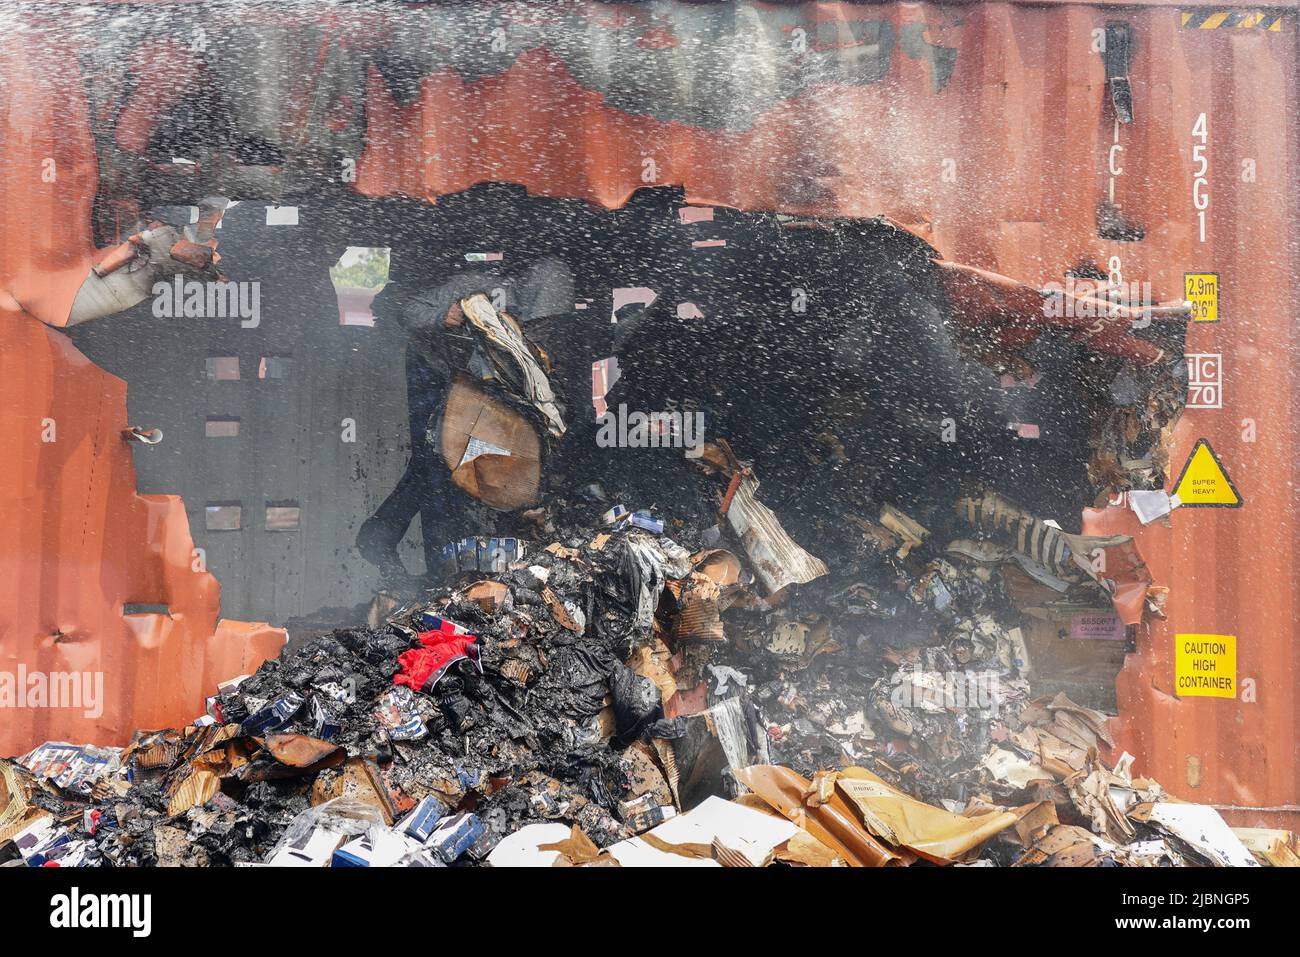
(988, 129)
(77, 543)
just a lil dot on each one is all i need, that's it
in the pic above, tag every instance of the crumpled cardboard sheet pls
(832, 821)
(802, 849)
(645, 778)
(219, 754)
(1271, 847)
(579, 851)
(194, 791)
(16, 810)
(567, 613)
(652, 660)
(1156, 853)
(1082, 727)
(718, 831)
(1056, 758)
(909, 531)
(1098, 792)
(1067, 737)
(549, 845)
(524, 848)
(697, 615)
(931, 832)
(1007, 767)
(1199, 827)
(1061, 733)
(358, 779)
(719, 564)
(1034, 821)
(1067, 845)
(489, 595)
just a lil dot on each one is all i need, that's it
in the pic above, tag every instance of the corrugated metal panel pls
(1001, 161)
(49, 181)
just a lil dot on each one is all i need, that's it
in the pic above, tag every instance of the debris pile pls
(625, 686)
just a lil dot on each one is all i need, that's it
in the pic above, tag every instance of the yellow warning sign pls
(1204, 482)
(1201, 289)
(1205, 666)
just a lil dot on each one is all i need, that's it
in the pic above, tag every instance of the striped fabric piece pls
(441, 626)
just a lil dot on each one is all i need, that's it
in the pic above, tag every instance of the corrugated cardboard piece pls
(492, 450)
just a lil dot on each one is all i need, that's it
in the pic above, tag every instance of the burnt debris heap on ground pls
(613, 673)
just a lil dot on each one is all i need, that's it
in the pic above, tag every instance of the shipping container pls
(1011, 137)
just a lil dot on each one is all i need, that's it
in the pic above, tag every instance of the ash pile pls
(638, 686)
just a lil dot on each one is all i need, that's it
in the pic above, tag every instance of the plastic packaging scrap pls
(778, 560)
(489, 555)
(314, 835)
(75, 768)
